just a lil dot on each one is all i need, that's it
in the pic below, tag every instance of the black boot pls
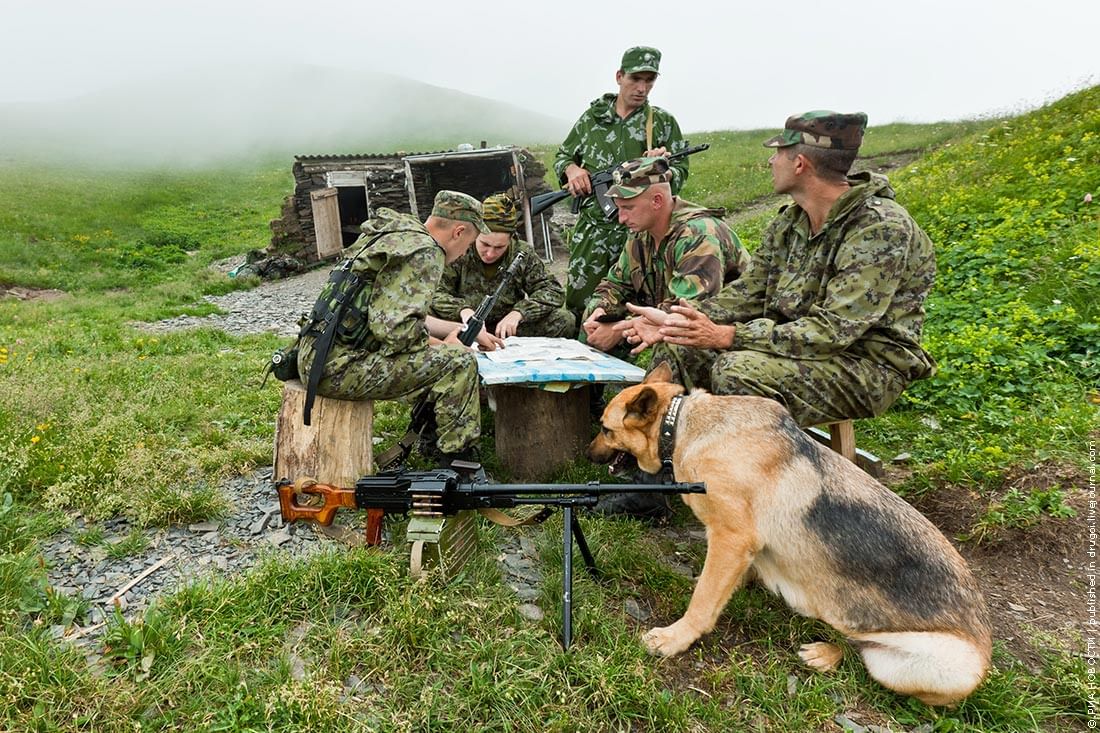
(468, 454)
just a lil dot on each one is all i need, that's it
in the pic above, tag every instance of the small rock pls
(278, 538)
(635, 611)
(902, 458)
(848, 724)
(1017, 607)
(792, 685)
(204, 526)
(531, 612)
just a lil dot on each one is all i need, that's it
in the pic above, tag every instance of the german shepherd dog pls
(830, 540)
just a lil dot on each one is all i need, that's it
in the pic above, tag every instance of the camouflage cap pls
(635, 176)
(822, 129)
(500, 213)
(640, 58)
(459, 207)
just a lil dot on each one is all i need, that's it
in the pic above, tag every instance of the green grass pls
(101, 418)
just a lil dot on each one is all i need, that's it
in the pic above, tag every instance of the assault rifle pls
(601, 181)
(423, 411)
(431, 497)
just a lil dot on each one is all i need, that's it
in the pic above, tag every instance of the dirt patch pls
(21, 293)
(1033, 577)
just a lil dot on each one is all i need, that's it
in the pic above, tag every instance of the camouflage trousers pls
(447, 373)
(815, 391)
(594, 246)
(558, 323)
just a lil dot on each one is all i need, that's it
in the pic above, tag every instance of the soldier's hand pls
(489, 341)
(509, 324)
(640, 332)
(577, 180)
(655, 316)
(602, 336)
(686, 326)
(655, 152)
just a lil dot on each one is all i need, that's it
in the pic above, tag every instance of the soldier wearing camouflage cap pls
(828, 317)
(531, 304)
(616, 127)
(388, 346)
(675, 249)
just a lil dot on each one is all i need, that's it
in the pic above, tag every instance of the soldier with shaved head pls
(828, 317)
(675, 249)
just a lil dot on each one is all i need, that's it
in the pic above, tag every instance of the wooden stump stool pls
(336, 449)
(842, 439)
(538, 430)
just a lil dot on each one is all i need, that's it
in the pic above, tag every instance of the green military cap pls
(459, 207)
(500, 213)
(635, 176)
(822, 129)
(640, 58)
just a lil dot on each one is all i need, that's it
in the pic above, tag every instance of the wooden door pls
(326, 222)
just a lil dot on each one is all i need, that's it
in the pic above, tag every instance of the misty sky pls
(727, 65)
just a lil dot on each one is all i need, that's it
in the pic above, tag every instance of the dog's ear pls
(642, 410)
(660, 373)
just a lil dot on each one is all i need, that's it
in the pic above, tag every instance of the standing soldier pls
(387, 346)
(531, 305)
(615, 128)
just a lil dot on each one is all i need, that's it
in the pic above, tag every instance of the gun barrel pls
(485, 489)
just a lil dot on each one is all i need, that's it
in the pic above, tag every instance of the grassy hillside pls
(98, 418)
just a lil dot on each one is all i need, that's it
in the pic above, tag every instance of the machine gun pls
(601, 181)
(432, 498)
(422, 411)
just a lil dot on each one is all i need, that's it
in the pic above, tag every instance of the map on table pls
(542, 361)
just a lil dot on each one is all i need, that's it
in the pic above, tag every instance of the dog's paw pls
(668, 641)
(821, 655)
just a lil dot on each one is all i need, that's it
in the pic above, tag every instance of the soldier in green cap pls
(615, 128)
(531, 305)
(388, 346)
(828, 317)
(675, 249)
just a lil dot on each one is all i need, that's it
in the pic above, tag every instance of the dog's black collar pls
(666, 439)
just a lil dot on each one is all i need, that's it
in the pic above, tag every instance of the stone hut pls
(334, 194)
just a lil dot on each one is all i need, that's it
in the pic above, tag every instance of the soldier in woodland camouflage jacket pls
(531, 304)
(392, 348)
(828, 317)
(615, 128)
(676, 250)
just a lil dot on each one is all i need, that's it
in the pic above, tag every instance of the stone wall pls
(292, 234)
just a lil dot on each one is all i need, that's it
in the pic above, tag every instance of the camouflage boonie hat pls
(822, 129)
(459, 207)
(635, 176)
(640, 58)
(500, 213)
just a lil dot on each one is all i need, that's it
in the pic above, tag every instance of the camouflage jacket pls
(856, 287)
(402, 269)
(697, 256)
(601, 139)
(534, 292)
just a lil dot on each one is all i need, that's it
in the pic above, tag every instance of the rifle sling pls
(498, 517)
